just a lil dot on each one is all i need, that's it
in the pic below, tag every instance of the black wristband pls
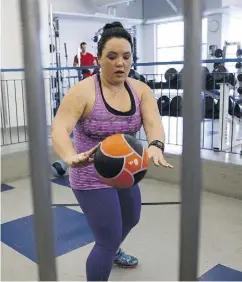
(158, 144)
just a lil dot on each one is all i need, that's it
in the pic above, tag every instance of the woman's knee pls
(109, 239)
(132, 221)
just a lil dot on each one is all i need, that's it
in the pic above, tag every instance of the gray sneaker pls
(124, 260)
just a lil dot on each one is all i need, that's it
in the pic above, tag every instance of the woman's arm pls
(151, 117)
(70, 110)
(153, 126)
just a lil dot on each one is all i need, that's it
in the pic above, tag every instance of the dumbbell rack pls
(228, 125)
(220, 68)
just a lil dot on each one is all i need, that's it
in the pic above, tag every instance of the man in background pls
(85, 59)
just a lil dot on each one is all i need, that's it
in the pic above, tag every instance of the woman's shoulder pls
(139, 86)
(84, 87)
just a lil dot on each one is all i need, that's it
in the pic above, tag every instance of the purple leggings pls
(111, 214)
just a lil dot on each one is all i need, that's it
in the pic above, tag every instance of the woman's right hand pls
(83, 159)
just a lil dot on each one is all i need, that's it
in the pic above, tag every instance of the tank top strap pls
(136, 98)
(99, 99)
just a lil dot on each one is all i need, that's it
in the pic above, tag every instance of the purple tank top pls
(102, 122)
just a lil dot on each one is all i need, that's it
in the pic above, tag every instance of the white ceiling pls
(106, 3)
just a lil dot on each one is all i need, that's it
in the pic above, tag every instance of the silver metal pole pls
(191, 162)
(37, 130)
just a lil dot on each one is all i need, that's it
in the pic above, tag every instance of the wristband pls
(158, 144)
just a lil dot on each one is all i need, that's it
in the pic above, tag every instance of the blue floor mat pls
(71, 231)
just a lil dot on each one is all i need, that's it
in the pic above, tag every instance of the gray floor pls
(155, 240)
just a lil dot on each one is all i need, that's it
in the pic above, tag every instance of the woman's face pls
(116, 60)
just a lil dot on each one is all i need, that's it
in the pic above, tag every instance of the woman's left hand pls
(155, 154)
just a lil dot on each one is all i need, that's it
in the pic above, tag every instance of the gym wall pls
(161, 9)
(134, 10)
(84, 30)
(220, 28)
(72, 32)
(11, 40)
(12, 57)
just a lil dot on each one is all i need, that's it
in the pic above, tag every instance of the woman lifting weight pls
(97, 107)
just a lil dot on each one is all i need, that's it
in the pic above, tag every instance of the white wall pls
(215, 30)
(134, 10)
(235, 3)
(72, 32)
(13, 104)
(11, 39)
(214, 35)
(73, 6)
(224, 32)
(84, 30)
(161, 9)
(149, 48)
(81, 30)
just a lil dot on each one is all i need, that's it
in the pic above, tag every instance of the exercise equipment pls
(134, 74)
(66, 56)
(171, 76)
(135, 58)
(218, 53)
(164, 103)
(121, 161)
(239, 77)
(215, 65)
(206, 76)
(176, 106)
(229, 125)
(235, 109)
(58, 168)
(238, 65)
(231, 79)
(155, 84)
(210, 107)
(143, 78)
(56, 76)
(151, 83)
(239, 52)
(239, 89)
(212, 49)
(220, 74)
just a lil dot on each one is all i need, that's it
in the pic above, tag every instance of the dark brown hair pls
(113, 30)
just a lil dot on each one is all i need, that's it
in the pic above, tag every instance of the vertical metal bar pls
(169, 118)
(38, 149)
(16, 103)
(203, 109)
(233, 120)
(177, 112)
(9, 115)
(25, 133)
(191, 160)
(51, 102)
(3, 112)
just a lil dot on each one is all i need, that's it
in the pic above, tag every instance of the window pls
(233, 36)
(170, 44)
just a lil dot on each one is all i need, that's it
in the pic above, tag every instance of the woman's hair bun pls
(112, 25)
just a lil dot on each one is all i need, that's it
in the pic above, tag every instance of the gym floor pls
(155, 240)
